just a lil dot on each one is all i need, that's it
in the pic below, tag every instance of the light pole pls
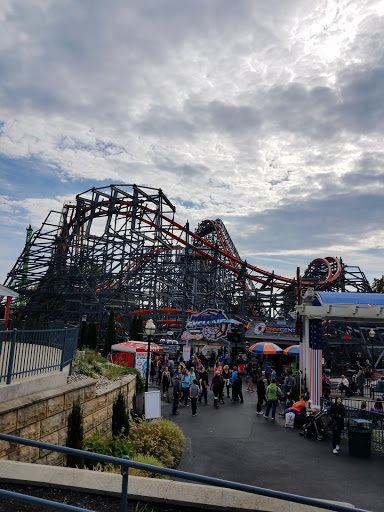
(150, 329)
(372, 336)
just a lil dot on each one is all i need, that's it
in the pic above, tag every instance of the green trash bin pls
(359, 437)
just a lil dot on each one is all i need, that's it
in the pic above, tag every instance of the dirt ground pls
(92, 502)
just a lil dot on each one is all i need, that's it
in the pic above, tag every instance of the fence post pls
(124, 487)
(11, 356)
(63, 349)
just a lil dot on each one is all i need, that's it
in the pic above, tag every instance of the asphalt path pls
(234, 443)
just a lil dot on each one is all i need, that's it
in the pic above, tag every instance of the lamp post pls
(372, 336)
(150, 329)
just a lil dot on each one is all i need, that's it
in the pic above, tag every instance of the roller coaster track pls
(119, 247)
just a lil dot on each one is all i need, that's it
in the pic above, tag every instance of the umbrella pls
(265, 347)
(293, 350)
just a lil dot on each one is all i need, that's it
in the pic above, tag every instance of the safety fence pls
(24, 353)
(125, 464)
(370, 389)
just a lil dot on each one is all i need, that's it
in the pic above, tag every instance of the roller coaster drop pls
(119, 248)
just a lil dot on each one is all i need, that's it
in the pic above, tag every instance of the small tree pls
(75, 435)
(378, 285)
(110, 335)
(91, 340)
(119, 416)
(133, 328)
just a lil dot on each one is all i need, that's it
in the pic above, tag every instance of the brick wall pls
(44, 416)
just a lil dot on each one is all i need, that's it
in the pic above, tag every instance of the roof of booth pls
(7, 292)
(133, 346)
(373, 299)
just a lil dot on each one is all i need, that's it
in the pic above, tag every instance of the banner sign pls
(260, 328)
(189, 336)
(141, 363)
(186, 353)
(212, 322)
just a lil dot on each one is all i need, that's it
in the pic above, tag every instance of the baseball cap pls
(235, 367)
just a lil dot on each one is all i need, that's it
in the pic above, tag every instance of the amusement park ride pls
(120, 248)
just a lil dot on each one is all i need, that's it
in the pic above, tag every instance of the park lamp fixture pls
(150, 329)
(372, 335)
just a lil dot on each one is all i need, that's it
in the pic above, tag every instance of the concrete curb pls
(145, 489)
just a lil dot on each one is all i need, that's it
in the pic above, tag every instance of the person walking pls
(233, 378)
(194, 394)
(238, 385)
(260, 394)
(185, 382)
(165, 380)
(337, 414)
(250, 377)
(176, 393)
(368, 372)
(226, 378)
(360, 381)
(272, 394)
(216, 387)
(204, 386)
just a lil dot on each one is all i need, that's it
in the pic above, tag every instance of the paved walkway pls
(236, 444)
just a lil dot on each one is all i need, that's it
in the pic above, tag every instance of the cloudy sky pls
(266, 114)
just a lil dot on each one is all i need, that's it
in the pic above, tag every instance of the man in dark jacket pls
(260, 386)
(204, 385)
(176, 393)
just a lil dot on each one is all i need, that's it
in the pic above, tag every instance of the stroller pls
(315, 426)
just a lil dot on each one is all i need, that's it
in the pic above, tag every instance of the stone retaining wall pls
(44, 416)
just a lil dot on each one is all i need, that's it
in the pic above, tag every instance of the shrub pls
(114, 447)
(147, 459)
(119, 416)
(113, 372)
(160, 437)
(110, 335)
(75, 435)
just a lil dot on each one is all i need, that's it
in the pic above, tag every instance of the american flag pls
(315, 360)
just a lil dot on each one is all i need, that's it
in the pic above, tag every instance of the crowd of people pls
(190, 383)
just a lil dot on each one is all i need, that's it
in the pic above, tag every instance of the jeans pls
(175, 403)
(270, 403)
(204, 395)
(185, 395)
(336, 438)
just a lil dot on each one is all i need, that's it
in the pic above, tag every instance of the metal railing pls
(126, 463)
(24, 353)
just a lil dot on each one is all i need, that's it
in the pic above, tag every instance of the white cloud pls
(242, 109)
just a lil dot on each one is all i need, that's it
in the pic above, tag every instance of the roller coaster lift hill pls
(120, 248)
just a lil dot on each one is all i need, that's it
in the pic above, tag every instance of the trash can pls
(359, 437)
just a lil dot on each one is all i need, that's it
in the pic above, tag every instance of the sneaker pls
(335, 451)
(206, 403)
(272, 419)
(266, 417)
(337, 447)
(175, 413)
(193, 414)
(259, 413)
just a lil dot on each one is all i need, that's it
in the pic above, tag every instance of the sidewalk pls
(234, 443)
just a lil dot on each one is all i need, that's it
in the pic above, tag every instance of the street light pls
(372, 335)
(150, 329)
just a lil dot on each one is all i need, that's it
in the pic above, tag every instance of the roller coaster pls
(120, 248)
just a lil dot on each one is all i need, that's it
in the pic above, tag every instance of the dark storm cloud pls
(310, 223)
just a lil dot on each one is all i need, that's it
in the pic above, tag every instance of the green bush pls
(114, 447)
(160, 437)
(147, 459)
(120, 421)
